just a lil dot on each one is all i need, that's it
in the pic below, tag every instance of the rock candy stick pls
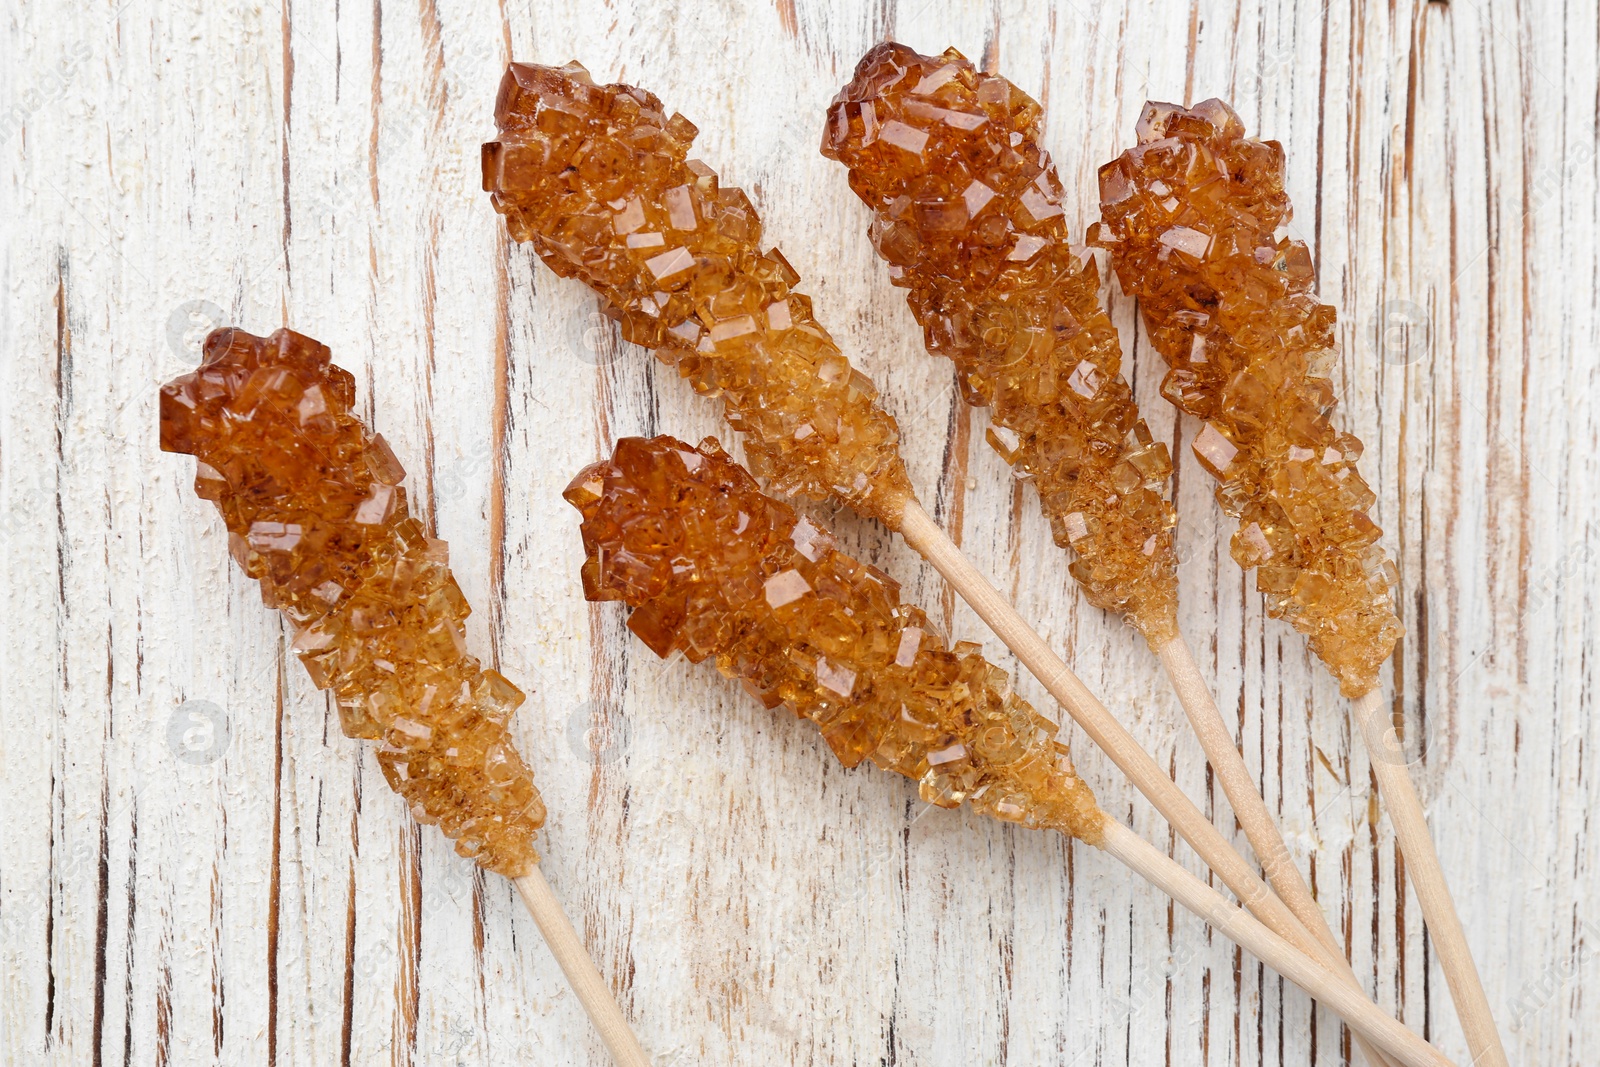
(967, 214)
(716, 570)
(316, 513)
(1194, 218)
(597, 179)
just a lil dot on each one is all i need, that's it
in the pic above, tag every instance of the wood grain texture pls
(196, 867)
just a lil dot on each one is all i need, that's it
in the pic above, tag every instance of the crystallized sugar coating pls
(1193, 218)
(598, 179)
(316, 514)
(715, 569)
(967, 213)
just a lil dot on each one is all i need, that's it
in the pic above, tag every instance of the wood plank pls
(197, 867)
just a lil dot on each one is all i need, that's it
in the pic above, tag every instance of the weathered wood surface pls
(196, 867)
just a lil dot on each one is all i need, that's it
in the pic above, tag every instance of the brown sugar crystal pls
(597, 178)
(967, 213)
(1193, 217)
(715, 569)
(315, 512)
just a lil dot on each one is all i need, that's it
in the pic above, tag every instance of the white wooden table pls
(196, 867)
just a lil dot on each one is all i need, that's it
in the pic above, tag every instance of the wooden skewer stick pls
(582, 975)
(931, 542)
(1427, 879)
(1248, 805)
(1327, 987)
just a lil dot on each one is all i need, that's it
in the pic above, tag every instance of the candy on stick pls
(1194, 217)
(715, 569)
(316, 513)
(596, 178)
(967, 214)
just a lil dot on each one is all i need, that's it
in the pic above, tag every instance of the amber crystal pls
(1194, 218)
(597, 178)
(967, 214)
(316, 513)
(715, 569)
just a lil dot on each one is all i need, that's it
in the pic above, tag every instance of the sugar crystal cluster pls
(715, 569)
(315, 512)
(1194, 218)
(598, 179)
(967, 213)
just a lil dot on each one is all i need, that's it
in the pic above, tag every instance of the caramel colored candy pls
(315, 512)
(714, 568)
(968, 216)
(597, 178)
(1194, 221)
